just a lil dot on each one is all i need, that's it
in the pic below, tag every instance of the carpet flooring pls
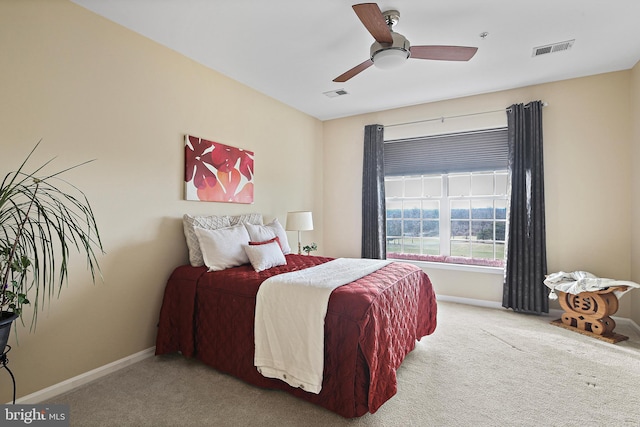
(482, 367)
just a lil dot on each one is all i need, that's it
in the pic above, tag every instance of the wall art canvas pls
(217, 172)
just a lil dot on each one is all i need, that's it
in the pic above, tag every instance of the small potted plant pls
(310, 248)
(42, 217)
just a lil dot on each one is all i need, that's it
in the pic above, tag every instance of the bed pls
(371, 324)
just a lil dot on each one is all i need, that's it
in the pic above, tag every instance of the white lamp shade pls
(390, 58)
(299, 221)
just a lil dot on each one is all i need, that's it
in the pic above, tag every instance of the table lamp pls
(299, 221)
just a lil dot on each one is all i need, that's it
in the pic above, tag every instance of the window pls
(446, 213)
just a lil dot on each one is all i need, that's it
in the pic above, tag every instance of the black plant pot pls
(6, 320)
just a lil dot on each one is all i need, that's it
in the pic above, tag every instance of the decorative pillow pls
(275, 239)
(252, 218)
(260, 233)
(212, 222)
(264, 256)
(224, 247)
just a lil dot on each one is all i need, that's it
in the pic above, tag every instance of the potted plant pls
(42, 217)
(310, 248)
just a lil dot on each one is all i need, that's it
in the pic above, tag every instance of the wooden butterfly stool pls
(588, 313)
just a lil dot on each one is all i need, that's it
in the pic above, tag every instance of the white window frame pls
(445, 238)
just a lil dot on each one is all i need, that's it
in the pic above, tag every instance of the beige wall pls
(92, 89)
(635, 190)
(587, 136)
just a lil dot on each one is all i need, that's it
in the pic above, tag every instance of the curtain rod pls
(442, 118)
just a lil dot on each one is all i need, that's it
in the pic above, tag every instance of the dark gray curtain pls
(373, 205)
(526, 263)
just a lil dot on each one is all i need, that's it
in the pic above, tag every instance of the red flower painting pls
(217, 172)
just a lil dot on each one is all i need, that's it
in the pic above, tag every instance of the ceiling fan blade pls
(443, 53)
(354, 71)
(374, 22)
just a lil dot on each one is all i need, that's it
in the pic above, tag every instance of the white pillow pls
(265, 256)
(224, 247)
(260, 233)
(251, 218)
(211, 222)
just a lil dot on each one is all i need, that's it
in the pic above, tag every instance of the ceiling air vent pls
(551, 48)
(334, 93)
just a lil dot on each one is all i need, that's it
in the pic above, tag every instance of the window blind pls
(457, 152)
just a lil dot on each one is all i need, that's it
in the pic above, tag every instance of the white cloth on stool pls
(583, 281)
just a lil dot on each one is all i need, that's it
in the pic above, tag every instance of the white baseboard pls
(487, 304)
(469, 301)
(71, 383)
(552, 312)
(625, 321)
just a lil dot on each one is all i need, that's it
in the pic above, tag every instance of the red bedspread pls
(370, 326)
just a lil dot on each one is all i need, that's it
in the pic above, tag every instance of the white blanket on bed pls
(289, 322)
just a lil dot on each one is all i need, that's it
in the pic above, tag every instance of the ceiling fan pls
(392, 49)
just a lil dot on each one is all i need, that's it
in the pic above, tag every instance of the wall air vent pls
(551, 48)
(334, 93)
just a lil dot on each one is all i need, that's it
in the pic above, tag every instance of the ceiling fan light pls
(390, 58)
